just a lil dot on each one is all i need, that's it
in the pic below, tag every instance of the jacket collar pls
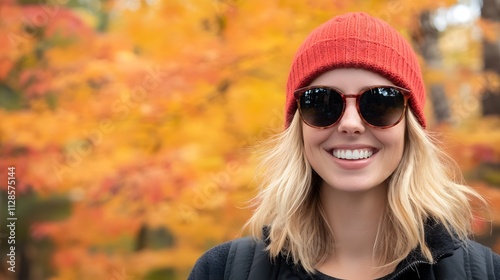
(440, 243)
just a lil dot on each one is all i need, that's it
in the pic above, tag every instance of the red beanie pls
(357, 40)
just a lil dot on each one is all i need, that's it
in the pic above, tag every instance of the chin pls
(354, 185)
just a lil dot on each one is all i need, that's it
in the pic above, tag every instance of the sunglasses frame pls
(299, 92)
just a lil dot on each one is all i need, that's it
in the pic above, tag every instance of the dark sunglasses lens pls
(321, 107)
(382, 106)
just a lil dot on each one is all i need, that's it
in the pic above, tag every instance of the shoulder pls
(469, 260)
(211, 265)
(481, 257)
(496, 264)
(492, 258)
(242, 258)
(480, 251)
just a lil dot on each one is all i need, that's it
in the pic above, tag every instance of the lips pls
(352, 154)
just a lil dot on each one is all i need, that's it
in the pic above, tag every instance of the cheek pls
(398, 151)
(400, 143)
(313, 137)
(395, 143)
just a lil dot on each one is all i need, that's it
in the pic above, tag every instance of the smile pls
(352, 154)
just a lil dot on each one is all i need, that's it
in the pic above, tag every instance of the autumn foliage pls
(131, 124)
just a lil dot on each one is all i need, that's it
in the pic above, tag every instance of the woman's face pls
(324, 147)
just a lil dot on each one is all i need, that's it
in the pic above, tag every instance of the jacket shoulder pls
(211, 265)
(486, 255)
(472, 261)
(496, 265)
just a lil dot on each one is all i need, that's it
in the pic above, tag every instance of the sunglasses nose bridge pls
(353, 104)
(351, 121)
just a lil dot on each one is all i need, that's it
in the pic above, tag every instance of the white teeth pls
(352, 154)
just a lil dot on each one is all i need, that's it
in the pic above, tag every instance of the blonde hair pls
(425, 185)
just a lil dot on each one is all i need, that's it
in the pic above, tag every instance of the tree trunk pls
(490, 99)
(427, 40)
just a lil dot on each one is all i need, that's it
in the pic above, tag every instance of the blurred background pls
(131, 123)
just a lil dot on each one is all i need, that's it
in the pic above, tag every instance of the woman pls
(354, 188)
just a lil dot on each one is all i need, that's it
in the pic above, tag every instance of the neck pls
(354, 218)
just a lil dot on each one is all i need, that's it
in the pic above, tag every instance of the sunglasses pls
(378, 106)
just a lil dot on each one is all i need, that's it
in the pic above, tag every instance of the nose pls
(351, 123)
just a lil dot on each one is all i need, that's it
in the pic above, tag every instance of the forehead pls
(350, 79)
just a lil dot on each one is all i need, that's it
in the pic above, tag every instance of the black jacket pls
(453, 260)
